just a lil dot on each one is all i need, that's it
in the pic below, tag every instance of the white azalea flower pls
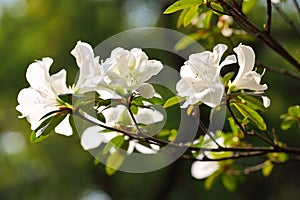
(42, 95)
(127, 71)
(90, 72)
(246, 78)
(118, 116)
(200, 77)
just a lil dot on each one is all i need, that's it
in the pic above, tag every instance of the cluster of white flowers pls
(125, 73)
(201, 79)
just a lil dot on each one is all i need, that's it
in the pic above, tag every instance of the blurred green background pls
(58, 168)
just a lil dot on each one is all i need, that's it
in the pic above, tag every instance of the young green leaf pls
(193, 12)
(181, 4)
(229, 182)
(47, 127)
(251, 115)
(181, 17)
(155, 100)
(267, 168)
(211, 180)
(254, 102)
(173, 101)
(116, 142)
(248, 5)
(114, 161)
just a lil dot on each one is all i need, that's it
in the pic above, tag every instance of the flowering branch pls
(264, 36)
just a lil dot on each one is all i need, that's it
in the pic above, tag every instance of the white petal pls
(218, 52)
(143, 149)
(58, 82)
(64, 127)
(91, 138)
(146, 90)
(152, 67)
(148, 116)
(203, 169)
(37, 75)
(246, 60)
(228, 60)
(89, 67)
(266, 101)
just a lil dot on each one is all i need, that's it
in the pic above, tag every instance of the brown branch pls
(277, 70)
(269, 17)
(262, 35)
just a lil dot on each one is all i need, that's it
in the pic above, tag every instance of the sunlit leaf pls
(114, 161)
(193, 12)
(229, 182)
(181, 4)
(251, 115)
(173, 101)
(248, 5)
(47, 127)
(116, 142)
(254, 102)
(211, 180)
(217, 8)
(267, 168)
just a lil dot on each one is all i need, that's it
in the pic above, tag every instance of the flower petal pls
(146, 90)
(201, 169)
(91, 138)
(246, 60)
(64, 127)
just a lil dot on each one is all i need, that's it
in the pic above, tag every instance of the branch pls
(269, 17)
(278, 70)
(262, 35)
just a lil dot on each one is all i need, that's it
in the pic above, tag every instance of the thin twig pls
(266, 38)
(269, 17)
(277, 70)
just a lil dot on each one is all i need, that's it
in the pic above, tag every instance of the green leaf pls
(227, 77)
(248, 5)
(267, 168)
(287, 123)
(181, 4)
(114, 162)
(254, 102)
(134, 109)
(173, 101)
(47, 127)
(234, 128)
(290, 118)
(193, 12)
(207, 19)
(155, 100)
(101, 117)
(294, 111)
(229, 182)
(217, 8)
(251, 115)
(116, 142)
(211, 180)
(181, 17)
